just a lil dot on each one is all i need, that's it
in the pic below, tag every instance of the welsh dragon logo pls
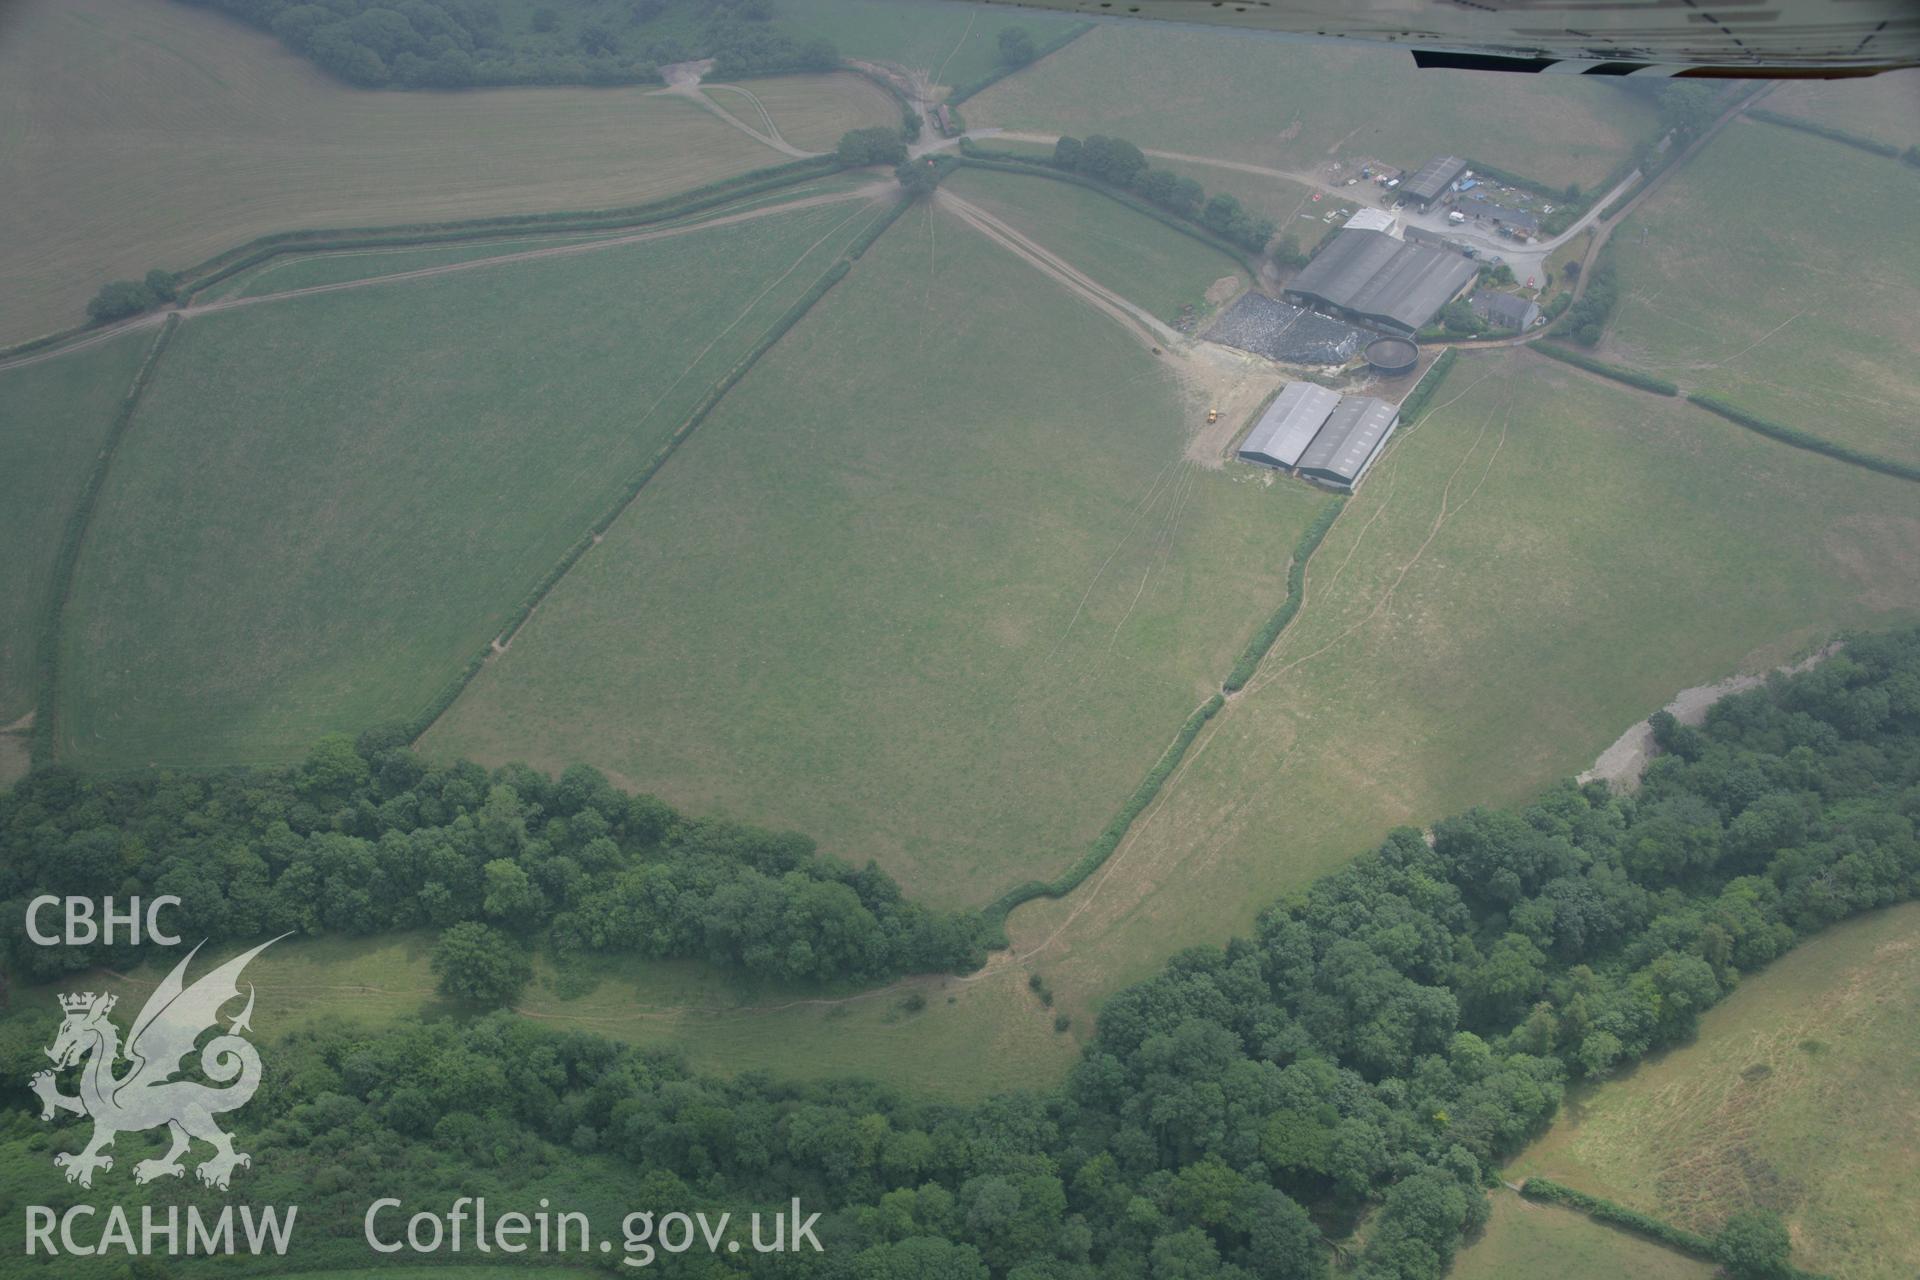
(148, 1094)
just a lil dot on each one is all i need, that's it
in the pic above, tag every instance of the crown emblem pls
(82, 1002)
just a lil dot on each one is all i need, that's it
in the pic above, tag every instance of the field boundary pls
(1805, 439)
(416, 727)
(1619, 373)
(995, 913)
(40, 740)
(979, 157)
(1644, 1225)
(1263, 639)
(229, 262)
(1845, 137)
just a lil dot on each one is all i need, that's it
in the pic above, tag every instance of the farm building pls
(1350, 440)
(1435, 176)
(1371, 277)
(1504, 309)
(1516, 221)
(1373, 220)
(1437, 240)
(1289, 425)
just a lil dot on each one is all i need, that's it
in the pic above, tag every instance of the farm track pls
(870, 192)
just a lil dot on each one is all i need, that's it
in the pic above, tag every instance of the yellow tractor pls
(1213, 415)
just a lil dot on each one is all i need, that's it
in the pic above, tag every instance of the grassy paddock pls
(328, 504)
(950, 45)
(1797, 1096)
(935, 584)
(1881, 107)
(207, 133)
(1796, 311)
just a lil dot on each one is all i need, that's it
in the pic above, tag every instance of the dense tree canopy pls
(1122, 164)
(367, 836)
(1383, 1041)
(446, 44)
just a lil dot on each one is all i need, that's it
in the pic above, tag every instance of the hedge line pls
(1416, 401)
(43, 341)
(1640, 1224)
(1861, 141)
(1059, 42)
(1806, 440)
(617, 220)
(972, 153)
(1296, 591)
(40, 744)
(794, 170)
(223, 265)
(995, 912)
(1619, 373)
(833, 275)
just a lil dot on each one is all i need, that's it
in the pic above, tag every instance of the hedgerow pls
(1805, 439)
(1296, 591)
(1620, 1216)
(1864, 143)
(1619, 373)
(436, 708)
(995, 912)
(980, 157)
(41, 743)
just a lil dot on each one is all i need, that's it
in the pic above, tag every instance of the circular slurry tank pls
(1392, 355)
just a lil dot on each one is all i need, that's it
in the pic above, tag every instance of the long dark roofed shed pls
(1435, 176)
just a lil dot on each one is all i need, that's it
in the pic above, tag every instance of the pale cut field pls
(1801, 1095)
(1238, 96)
(144, 133)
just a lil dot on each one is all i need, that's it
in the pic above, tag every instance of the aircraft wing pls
(1725, 38)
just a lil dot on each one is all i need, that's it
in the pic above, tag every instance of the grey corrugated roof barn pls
(1349, 441)
(1288, 425)
(1380, 280)
(1435, 176)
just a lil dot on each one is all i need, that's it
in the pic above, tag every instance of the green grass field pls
(1524, 1240)
(1236, 96)
(329, 503)
(208, 133)
(934, 585)
(1541, 563)
(1882, 107)
(1798, 310)
(1801, 1095)
(54, 419)
(1128, 252)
